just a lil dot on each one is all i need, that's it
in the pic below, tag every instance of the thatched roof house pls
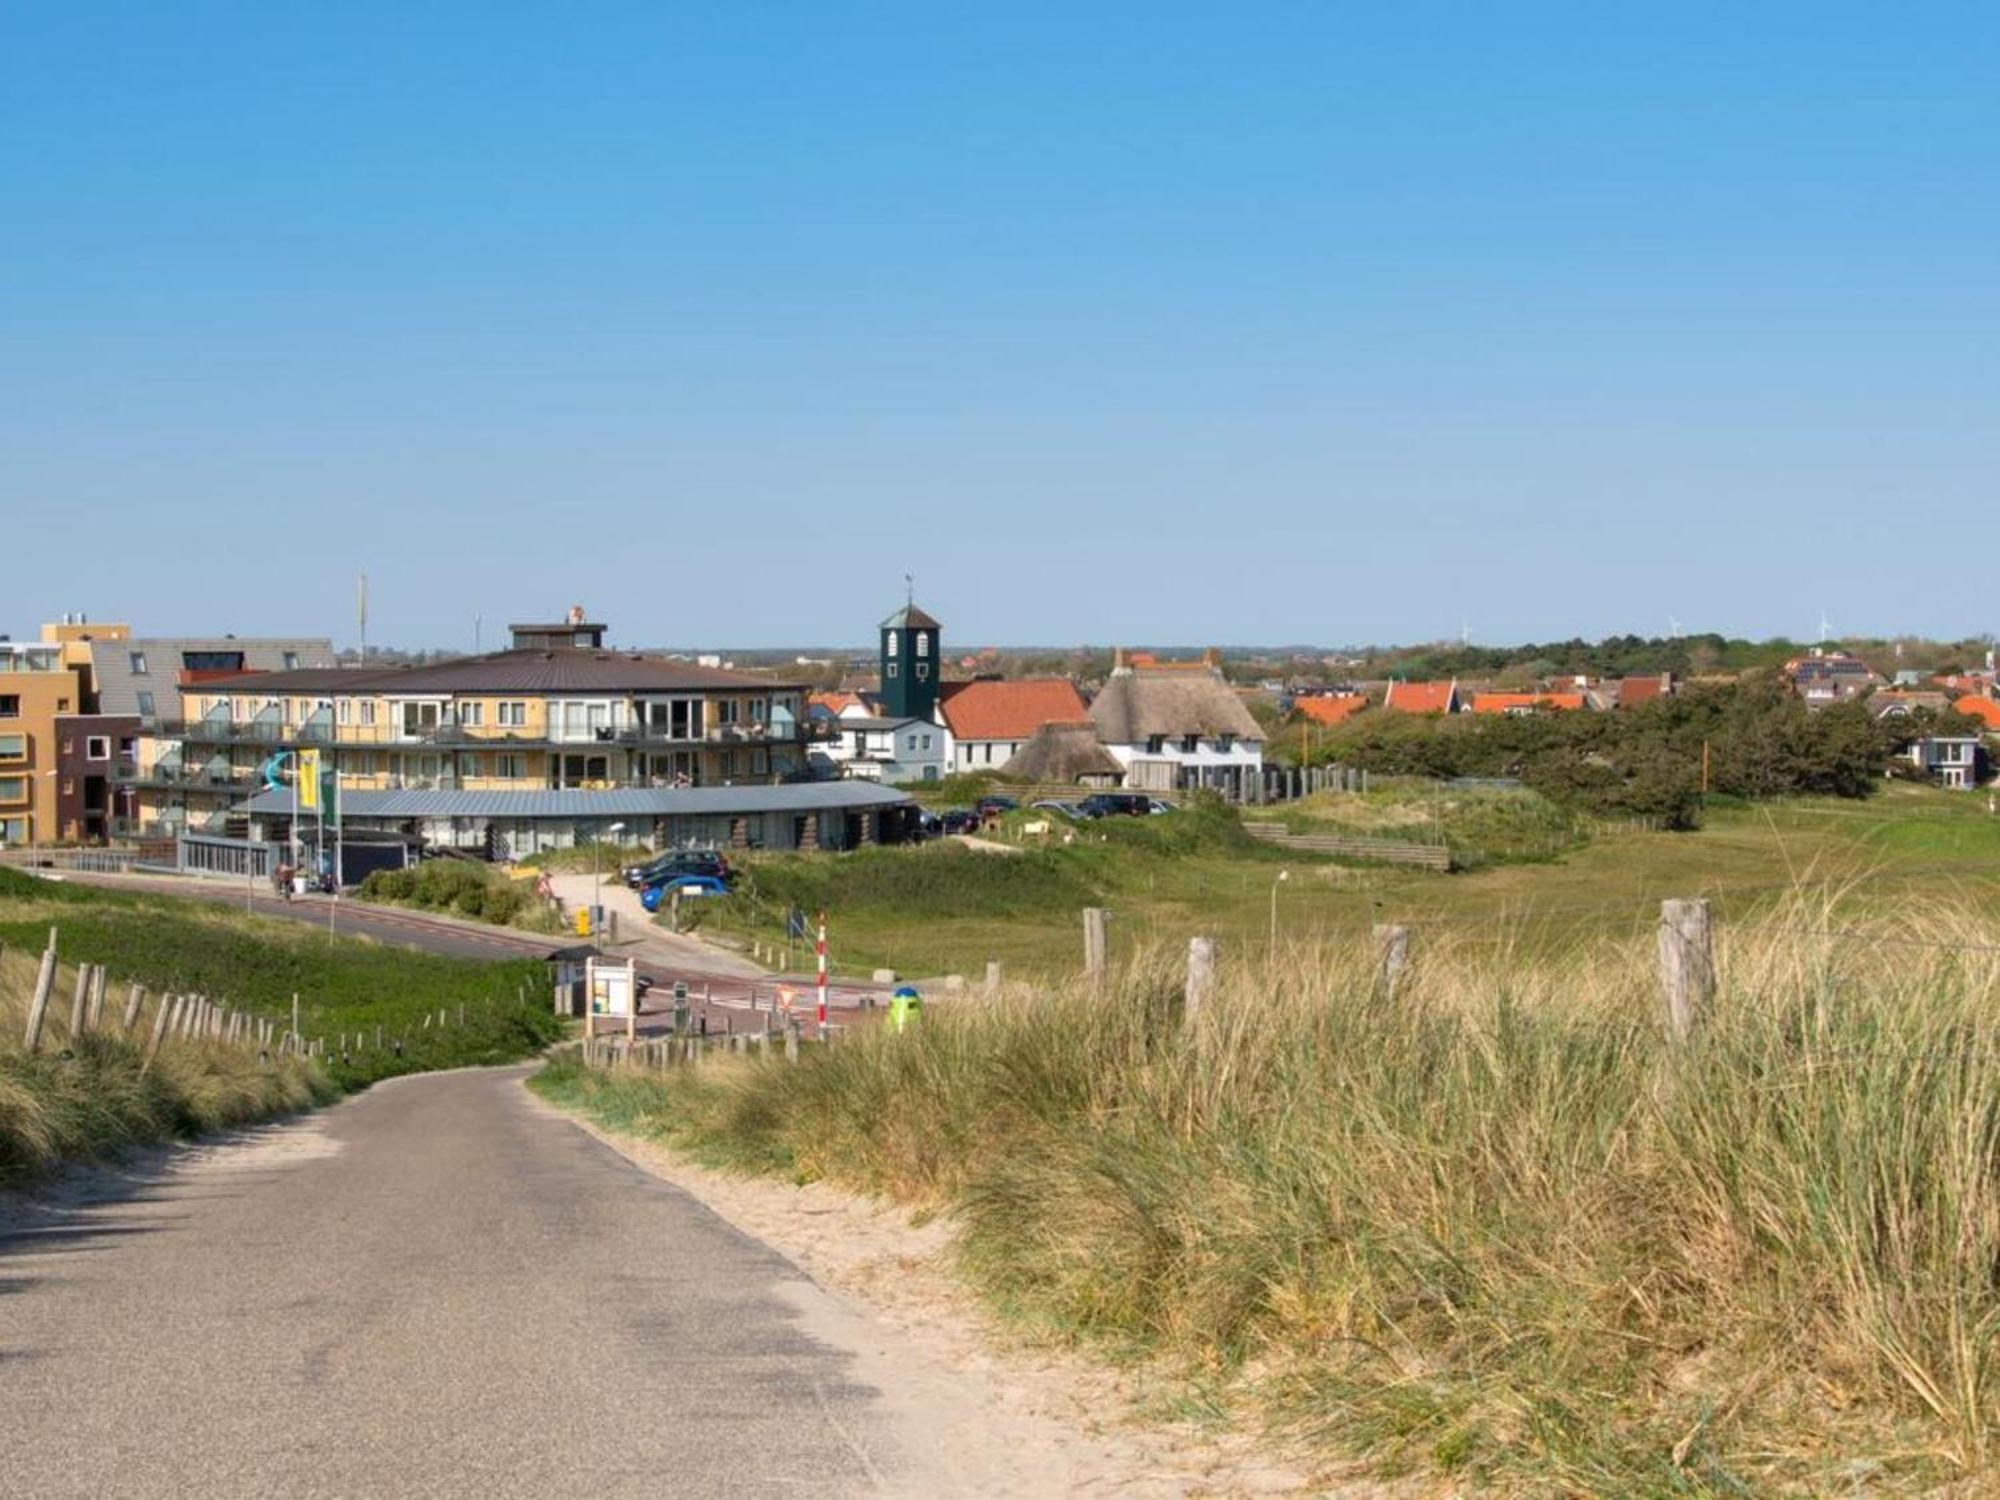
(1069, 754)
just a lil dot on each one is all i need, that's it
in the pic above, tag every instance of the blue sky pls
(1165, 323)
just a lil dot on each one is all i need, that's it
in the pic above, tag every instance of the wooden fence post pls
(1392, 958)
(1093, 941)
(994, 974)
(161, 1019)
(1200, 978)
(94, 1010)
(45, 983)
(79, 1005)
(135, 1001)
(1687, 964)
(792, 1041)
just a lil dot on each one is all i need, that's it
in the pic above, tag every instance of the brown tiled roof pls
(1500, 703)
(1420, 697)
(1633, 691)
(1331, 708)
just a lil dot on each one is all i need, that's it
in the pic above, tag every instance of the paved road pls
(436, 1289)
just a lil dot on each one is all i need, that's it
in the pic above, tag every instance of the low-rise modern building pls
(38, 686)
(1953, 759)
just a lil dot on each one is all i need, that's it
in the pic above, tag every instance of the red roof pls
(1636, 690)
(1502, 703)
(834, 703)
(1421, 697)
(1985, 710)
(1335, 708)
(993, 710)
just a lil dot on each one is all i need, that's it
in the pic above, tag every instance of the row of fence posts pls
(690, 1046)
(188, 1017)
(1686, 949)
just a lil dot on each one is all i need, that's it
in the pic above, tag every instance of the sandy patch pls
(997, 1418)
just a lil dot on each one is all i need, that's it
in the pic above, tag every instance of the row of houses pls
(1159, 726)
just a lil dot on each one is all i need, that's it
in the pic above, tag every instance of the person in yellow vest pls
(906, 1008)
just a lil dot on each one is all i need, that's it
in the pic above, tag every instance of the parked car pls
(992, 807)
(677, 862)
(655, 896)
(1159, 805)
(960, 820)
(1066, 809)
(1117, 804)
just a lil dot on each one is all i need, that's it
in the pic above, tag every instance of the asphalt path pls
(438, 1288)
(720, 999)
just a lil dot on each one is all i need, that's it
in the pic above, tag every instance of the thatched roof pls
(1066, 753)
(1136, 705)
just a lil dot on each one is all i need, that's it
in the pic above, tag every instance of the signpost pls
(820, 950)
(612, 987)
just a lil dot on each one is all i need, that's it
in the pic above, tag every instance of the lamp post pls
(1283, 876)
(597, 869)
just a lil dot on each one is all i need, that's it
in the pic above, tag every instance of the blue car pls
(687, 885)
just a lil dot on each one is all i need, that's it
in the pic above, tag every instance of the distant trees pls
(1760, 741)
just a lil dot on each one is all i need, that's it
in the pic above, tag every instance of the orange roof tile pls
(1985, 710)
(1636, 690)
(1421, 697)
(993, 710)
(1332, 708)
(1501, 703)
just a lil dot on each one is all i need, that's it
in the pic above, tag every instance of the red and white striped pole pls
(819, 948)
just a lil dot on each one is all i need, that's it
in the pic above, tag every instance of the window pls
(97, 747)
(923, 644)
(472, 715)
(145, 703)
(923, 670)
(927, 742)
(728, 711)
(1155, 743)
(909, 742)
(892, 643)
(13, 789)
(10, 705)
(13, 747)
(138, 660)
(508, 767)
(128, 747)
(760, 762)
(513, 716)
(892, 669)
(1225, 742)
(341, 711)
(13, 830)
(367, 710)
(291, 660)
(1190, 743)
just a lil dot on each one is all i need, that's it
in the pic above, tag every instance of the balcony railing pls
(471, 737)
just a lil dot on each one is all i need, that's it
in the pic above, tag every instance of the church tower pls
(910, 664)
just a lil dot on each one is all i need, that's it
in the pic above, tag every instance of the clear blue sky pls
(1168, 322)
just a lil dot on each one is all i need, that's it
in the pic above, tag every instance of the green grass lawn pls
(942, 908)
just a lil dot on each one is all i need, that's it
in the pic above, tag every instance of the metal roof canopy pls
(637, 802)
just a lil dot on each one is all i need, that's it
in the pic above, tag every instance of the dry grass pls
(1499, 1227)
(78, 1098)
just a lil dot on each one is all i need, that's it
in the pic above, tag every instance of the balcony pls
(469, 737)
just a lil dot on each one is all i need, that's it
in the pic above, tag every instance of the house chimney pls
(1118, 658)
(576, 614)
(1212, 658)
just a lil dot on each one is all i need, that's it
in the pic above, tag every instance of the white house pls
(1178, 726)
(987, 720)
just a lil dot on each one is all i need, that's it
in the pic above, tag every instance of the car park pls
(1117, 804)
(677, 862)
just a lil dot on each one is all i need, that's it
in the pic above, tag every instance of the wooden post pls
(45, 983)
(1093, 941)
(1392, 958)
(792, 1041)
(135, 1001)
(79, 1005)
(162, 1019)
(1687, 964)
(1200, 978)
(295, 1012)
(993, 976)
(93, 1017)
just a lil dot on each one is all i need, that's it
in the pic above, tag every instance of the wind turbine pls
(1673, 628)
(1825, 628)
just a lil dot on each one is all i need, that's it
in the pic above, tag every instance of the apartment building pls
(37, 687)
(557, 711)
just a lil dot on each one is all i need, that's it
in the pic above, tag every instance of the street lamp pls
(1283, 876)
(597, 868)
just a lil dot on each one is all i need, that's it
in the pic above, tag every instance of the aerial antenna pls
(478, 633)
(361, 612)
(910, 589)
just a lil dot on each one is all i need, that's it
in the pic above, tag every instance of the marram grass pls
(1497, 1226)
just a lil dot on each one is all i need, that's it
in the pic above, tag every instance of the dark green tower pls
(910, 641)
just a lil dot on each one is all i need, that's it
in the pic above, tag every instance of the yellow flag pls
(308, 780)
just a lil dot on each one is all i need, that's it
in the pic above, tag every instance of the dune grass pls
(1498, 1228)
(79, 1098)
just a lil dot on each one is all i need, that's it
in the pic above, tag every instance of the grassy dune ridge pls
(1500, 1227)
(82, 1098)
